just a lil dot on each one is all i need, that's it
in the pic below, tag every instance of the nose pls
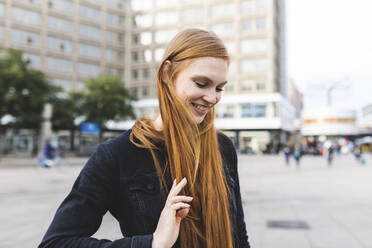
(211, 97)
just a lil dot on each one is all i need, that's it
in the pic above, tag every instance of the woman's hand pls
(174, 211)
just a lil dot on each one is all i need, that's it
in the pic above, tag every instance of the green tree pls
(23, 90)
(105, 98)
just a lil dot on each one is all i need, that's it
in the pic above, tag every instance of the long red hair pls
(191, 148)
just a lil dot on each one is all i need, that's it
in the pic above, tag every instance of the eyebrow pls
(205, 79)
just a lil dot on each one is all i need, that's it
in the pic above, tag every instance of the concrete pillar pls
(46, 127)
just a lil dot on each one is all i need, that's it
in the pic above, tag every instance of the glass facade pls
(24, 37)
(59, 44)
(88, 69)
(89, 31)
(89, 50)
(192, 15)
(58, 64)
(26, 16)
(33, 59)
(223, 10)
(59, 24)
(253, 110)
(65, 5)
(90, 13)
(166, 18)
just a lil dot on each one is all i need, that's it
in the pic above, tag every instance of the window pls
(89, 50)
(191, 15)
(260, 6)
(166, 3)
(61, 5)
(261, 85)
(142, 21)
(110, 36)
(261, 65)
(145, 91)
(260, 24)
(119, 56)
(135, 74)
(247, 66)
(88, 69)
(146, 73)
(25, 37)
(58, 64)
(252, 66)
(166, 18)
(226, 111)
(59, 24)
(141, 5)
(222, 10)
(90, 31)
(146, 38)
(246, 7)
(135, 38)
(109, 54)
(116, 3)
(223, 28)
(113, 19)
(26, 16)
(246, 26)
(148, 55)
(114, 37)
(90, 13)
(253, 110)
(165, 36)
(135, 56)
(59, 44)
(159, 53)
(247, 85)
(33, 1)
(33, 59)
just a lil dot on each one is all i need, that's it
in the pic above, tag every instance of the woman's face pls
(200, 85)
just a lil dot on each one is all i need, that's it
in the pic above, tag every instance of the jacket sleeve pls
(80, 214)
(242, 231)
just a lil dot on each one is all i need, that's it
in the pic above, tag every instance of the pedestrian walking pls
(171, 181)
(287, 154)
(47, 159)
(297, 154)
(330, 155)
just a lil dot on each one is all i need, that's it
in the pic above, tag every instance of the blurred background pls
(75, 73)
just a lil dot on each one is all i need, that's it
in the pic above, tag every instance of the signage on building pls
(90, 128)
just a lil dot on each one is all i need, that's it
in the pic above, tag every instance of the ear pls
(165, 70)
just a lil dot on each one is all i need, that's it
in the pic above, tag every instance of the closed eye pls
(200, 85)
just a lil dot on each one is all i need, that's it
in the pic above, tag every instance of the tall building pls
(69, 40)
(255, 110)
(73, 40)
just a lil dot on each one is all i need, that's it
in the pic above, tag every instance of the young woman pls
(172, 181)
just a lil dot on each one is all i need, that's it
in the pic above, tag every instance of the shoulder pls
(119, 144)
(227, 150)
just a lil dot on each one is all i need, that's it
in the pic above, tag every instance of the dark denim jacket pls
(121, 178)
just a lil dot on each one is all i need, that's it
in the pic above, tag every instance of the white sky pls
(327, 41)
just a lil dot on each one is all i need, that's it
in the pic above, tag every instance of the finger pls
(179, 187)
(182, 213)
(180, 198)
(180, 205)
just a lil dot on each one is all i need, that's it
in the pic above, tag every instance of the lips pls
(200, 109)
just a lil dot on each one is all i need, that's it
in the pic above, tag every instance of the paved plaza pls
(314, 206)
